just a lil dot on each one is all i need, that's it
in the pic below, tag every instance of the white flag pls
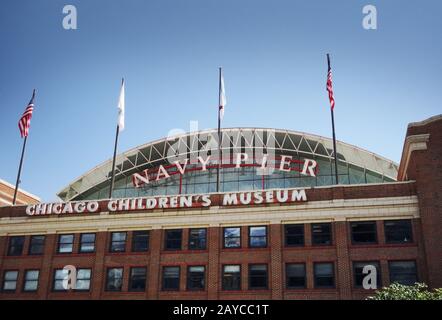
(222, 98)
(121, 108)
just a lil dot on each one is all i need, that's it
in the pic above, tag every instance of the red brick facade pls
(421, 187)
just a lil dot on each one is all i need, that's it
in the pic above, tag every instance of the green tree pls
(396, 291)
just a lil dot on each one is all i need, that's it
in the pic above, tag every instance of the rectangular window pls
(257, 276)
(87, 242)
(324, 275)
(295, 275)
(16, 245)
(403, 272)
(172, 239)
(359, 275)
(196, 278)
(31, 280)
(137, 281)
(140, 241)
(294, 235)
(10, 280)
(232, 277)
(171, 278)
(321, 233)
(83, 279)
(232, 237)
(258, 237)
(398, 231)
(36, 245)
(197, 239)
(65, 243)
(363, 232)
(118, 242)
(114, 279)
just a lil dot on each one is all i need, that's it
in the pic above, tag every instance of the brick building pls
(7, 195)
(274, 226)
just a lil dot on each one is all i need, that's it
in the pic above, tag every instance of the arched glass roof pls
(355, 166)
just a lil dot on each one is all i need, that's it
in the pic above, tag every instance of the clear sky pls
(273, 55)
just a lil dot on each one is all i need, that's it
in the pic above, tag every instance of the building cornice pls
(412, 143)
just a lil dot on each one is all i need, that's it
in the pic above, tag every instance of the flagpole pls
(334, 134)
(219, 133)
(111, 188)
(19, 170)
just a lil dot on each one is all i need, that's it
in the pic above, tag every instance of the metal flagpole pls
(111, 189)
(334, 134)
(219, 133)
(19, 171)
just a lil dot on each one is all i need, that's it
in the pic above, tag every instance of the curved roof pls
(157, 152)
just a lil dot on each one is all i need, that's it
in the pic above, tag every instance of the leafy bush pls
(396, 291)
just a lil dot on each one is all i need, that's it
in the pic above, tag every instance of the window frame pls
(163, 288)
(223, 287)
(330, 234)
(353, 242)
(81, 242)
(287, 286)
(316, 286)
(199, 240)
(31, 245)
(266, 237)
(250, 276)
(188, 278)
(390, 262)
(239, 237)
(402, 221)
(131, 279)
(59, 243)
(106, 283)
(138, 233)
(9, 254)
(111, 250)
(302, 226)
(166, 239)
(26, 280)
(4, 281)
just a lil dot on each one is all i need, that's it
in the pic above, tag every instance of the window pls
(258, 237)
(137, 281)
(171, 278)
(118, 242)
(16, 245)
(87, 242)
(65, 243)
(358, 268)
(295, 275)
(398, 231)
(257, 276)
(31, 280)
(232, 277)
(10, 280)
(232, 237)
(83, 282)
(321, 234)
(36, 245)
(114, 279)
(173, 239)
(140, 241)
(196, 278)
(294, 235)
(197, 239)
(324, 275)
(363, 232)
(403, 272)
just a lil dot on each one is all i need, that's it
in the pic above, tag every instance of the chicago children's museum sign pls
(169, 202)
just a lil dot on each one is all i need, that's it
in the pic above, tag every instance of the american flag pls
(330, 87)
(25, 120)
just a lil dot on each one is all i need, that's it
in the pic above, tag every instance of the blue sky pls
(169, 51)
